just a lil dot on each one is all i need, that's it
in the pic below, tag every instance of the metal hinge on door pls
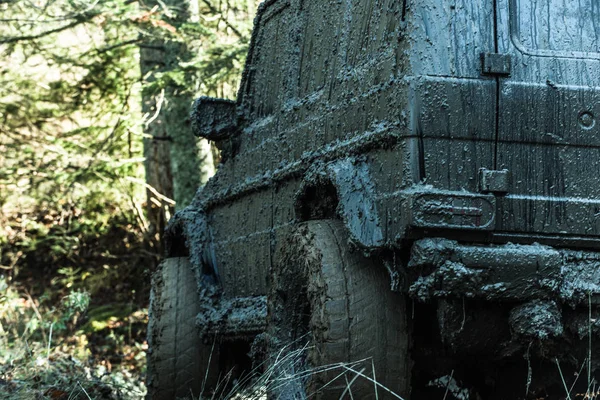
(495, 64)
(493, 181)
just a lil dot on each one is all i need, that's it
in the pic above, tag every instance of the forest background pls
(96, 154)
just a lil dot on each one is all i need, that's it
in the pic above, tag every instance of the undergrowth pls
(285, 375)
(45, 351)
(73, 298)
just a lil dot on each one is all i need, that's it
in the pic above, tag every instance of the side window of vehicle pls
(556, 26)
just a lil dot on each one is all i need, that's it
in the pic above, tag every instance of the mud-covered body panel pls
(447, 37)
(395, 92)
(309, 96)
(457, 142)
(455, 121)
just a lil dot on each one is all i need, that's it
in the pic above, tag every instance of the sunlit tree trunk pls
(177, 163)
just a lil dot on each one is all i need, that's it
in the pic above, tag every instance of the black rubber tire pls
(177, 357)
(341, 303)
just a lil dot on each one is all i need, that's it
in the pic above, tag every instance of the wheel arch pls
(188, 235)
(342, 189)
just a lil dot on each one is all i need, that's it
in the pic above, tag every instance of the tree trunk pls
(177, 163)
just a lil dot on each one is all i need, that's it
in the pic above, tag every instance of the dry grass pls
(287, 368)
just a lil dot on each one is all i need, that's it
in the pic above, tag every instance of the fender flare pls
(189, 228)
(355, 194)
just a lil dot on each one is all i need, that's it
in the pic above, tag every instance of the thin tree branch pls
(152, 47)
(116, 46)
(73, 24)
(159, 102)
(216, 11)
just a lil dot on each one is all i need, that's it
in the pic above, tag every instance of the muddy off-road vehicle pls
(414, 184)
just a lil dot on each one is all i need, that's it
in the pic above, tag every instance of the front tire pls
(341, 304)
(178, 360)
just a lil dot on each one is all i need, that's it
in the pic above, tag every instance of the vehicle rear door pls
(548, 134)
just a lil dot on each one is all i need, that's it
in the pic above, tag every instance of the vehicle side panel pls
(447, 37)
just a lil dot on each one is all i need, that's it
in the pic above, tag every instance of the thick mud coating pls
(322, 301)
(458, 149)
(499, 304)
(238, 318)
(187, 235)
(536, 320)
(494, 359)
(179, 362)
(509, 272)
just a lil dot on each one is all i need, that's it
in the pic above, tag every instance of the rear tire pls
(177, 357)
(341, 305)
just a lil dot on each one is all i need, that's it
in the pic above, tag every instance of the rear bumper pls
(441, 268)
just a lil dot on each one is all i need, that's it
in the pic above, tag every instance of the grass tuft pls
(287, 368)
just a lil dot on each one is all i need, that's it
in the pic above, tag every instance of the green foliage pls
(73, 305)
(72, 185)
(34, 362)
(68, 120)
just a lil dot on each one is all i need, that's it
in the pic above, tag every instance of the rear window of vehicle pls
(557, 25)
